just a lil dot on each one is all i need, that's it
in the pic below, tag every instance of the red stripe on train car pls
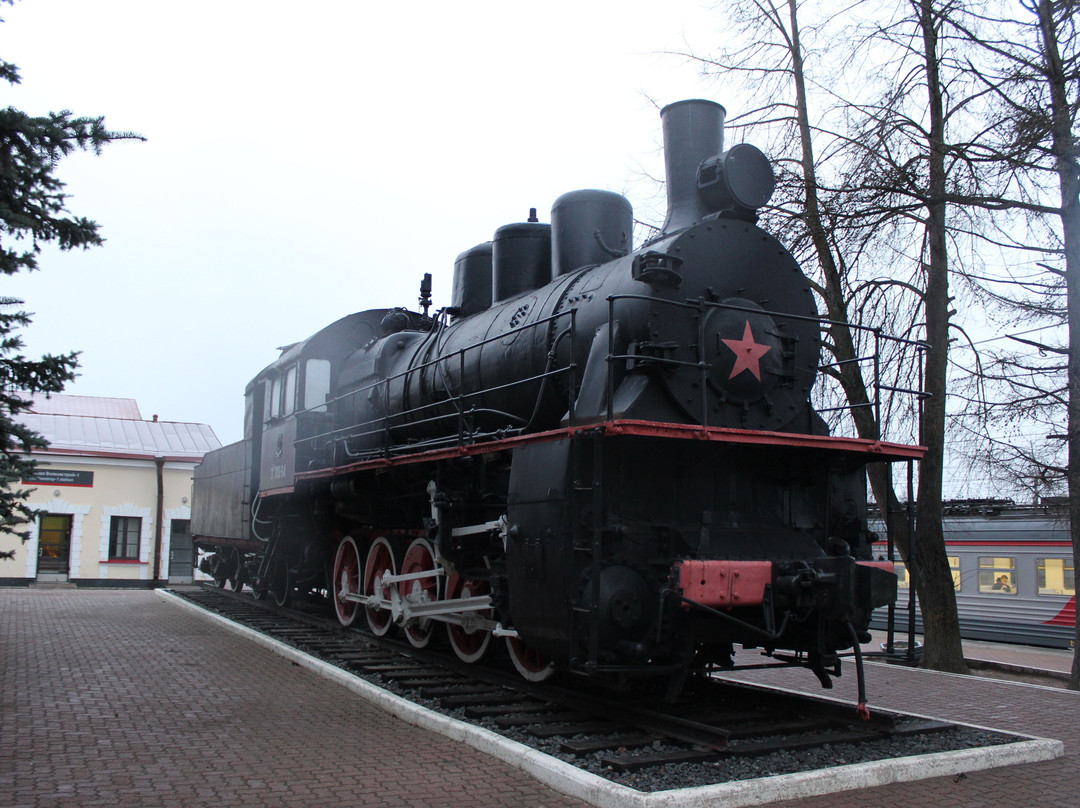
(1009, 543)
(1066, 617)
(880, 545)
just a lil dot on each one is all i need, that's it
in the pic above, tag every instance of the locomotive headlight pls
(740, 179)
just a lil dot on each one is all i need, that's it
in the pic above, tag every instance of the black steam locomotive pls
(605, 457)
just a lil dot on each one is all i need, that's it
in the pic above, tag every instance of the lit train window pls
(997, 574)
(903, 581)
(954, 567)
(1056, 576)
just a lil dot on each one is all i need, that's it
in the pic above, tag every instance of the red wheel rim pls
(346, 580)
(420, 557)
(531, 664)
(380, 559)
(468, 646)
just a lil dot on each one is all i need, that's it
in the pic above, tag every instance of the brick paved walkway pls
(118, 698)
(123, 699)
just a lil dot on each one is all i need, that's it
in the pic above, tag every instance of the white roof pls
(70, 430)
(95, 406)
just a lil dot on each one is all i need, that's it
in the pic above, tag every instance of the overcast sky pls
(308, 160)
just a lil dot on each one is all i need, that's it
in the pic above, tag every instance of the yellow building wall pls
(121, 487)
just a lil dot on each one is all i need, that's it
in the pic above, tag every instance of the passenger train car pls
(1012, 570)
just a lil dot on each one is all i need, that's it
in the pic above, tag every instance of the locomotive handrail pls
(429, 413)
(402, 419)
(823, 323)
(358, 439)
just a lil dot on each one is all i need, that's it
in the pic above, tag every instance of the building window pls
(997, 574)
(124, 532)
(1057, 576)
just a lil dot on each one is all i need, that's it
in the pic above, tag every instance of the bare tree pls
(886, 179)
(1032, 71)
(909, 161)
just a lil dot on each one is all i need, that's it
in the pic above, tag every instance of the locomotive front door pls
(54, 547)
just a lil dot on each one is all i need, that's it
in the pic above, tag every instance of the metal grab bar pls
(395, 433)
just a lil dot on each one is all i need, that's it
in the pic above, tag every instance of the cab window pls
(997, 575)
(316, 384)
(1056, 576)
(268, 401)
(288, 394)
(275, 398)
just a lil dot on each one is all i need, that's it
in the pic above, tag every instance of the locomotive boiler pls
(604, 457)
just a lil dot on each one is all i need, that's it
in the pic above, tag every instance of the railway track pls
(716, 731)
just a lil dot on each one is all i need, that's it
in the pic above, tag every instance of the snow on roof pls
(70, 425)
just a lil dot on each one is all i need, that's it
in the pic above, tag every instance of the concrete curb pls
(976, 663)
(602, 793)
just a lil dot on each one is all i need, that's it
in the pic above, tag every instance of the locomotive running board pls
(873, 450)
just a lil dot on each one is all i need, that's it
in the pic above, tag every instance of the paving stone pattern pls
(119, 698)
(1015, 707)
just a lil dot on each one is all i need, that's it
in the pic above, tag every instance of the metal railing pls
(456, 419)
(458, 416)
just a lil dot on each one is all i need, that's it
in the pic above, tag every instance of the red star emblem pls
(747, 353)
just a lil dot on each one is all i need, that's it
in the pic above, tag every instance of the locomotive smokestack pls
(693, 131)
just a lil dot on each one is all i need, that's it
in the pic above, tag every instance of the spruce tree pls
(33, 213)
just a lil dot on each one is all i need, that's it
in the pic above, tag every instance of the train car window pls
(997, 574)
(275, 398)
(1056, 576)
(954, 567)
(316, 384)
(288, 399)
(903, 581)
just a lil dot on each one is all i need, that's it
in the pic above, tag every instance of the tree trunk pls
(1067, 155)
(931, 575)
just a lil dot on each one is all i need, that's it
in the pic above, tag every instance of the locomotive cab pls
(286, 424)
(288, 418)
